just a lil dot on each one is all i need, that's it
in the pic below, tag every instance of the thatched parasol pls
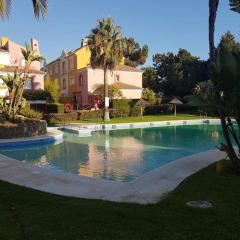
(142, 103)
(175, 102)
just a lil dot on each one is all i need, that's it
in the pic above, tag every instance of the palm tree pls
(30, 56)
(213, 7)
(39, 8)
(16, 83)
(235, 5)
(107, 48)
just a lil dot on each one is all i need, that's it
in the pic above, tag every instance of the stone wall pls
(25, 129)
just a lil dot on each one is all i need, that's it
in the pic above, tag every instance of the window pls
(71, 64)
(80, 80)
(64, 83)
(117, 77)
(63, 67)
(28, 84)
(22, 62)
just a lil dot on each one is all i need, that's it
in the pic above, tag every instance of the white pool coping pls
(85, 130)
(52, 134)
(149, 188)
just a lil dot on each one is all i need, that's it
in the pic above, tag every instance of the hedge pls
(33, 95)
(121, 107)
(90, 115)
(60, 117)
(29, 113)
(55, 108)
(167, 108)
(156, 109)
(54, 118)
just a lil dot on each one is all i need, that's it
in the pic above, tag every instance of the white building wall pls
(132, 93)
(4, 58)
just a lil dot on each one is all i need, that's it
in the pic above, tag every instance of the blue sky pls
(162, 24)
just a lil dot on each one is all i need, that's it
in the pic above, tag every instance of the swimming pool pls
(120, 155)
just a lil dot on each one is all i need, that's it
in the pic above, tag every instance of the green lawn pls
(149, 118)
(45, 216)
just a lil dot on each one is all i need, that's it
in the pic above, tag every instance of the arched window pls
(117, 78)
(64, 83)
(80, 80)
(63, 68)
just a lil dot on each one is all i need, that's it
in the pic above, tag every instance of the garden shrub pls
(187, 108)
(29, 113)
(54, 118)
(90, 115)
(158, 101)
(136, 111)
(168, 108)
(121, 107)
(33, 95)
(52, 86)
(157, 109)
(55, 108)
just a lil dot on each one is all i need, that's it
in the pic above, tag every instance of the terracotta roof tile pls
(128, 68)
(122, 85)
(5, 68)
(3, 50)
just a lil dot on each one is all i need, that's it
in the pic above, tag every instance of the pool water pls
(120, 155)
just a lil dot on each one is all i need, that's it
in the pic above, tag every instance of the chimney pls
(84, 42)
(4, 43)
(35, 45)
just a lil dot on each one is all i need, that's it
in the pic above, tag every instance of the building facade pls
(11, 59)
(78, 79)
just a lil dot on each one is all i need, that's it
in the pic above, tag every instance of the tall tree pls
(134, 54)
(39, 8)
(150, 78)
(178, 73)
(213, 7)
(228, 40)
(107, 45)
(221, 96)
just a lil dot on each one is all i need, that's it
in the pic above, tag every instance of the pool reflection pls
(121, 155)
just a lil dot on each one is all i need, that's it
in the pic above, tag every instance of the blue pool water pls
(120, 155)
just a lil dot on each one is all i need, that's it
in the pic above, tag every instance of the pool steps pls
(53, 136)
(85, 130)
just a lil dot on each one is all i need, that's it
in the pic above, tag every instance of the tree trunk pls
(213, 6)
(238, 122)
(106, 99)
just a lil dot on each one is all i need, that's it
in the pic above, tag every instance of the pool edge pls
(146, 189)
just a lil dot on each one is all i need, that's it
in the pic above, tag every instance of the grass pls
(148, 118)
(43, 216)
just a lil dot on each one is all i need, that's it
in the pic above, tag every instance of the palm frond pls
(5, 7)
(40, 8)
(106, 44)
(235, 5)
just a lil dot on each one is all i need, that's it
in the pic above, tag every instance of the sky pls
(161, 24)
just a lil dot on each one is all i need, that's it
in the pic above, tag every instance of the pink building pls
(11, 59)
(78, 79)
(127, 79)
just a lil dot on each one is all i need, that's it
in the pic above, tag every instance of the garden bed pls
(29, 128)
